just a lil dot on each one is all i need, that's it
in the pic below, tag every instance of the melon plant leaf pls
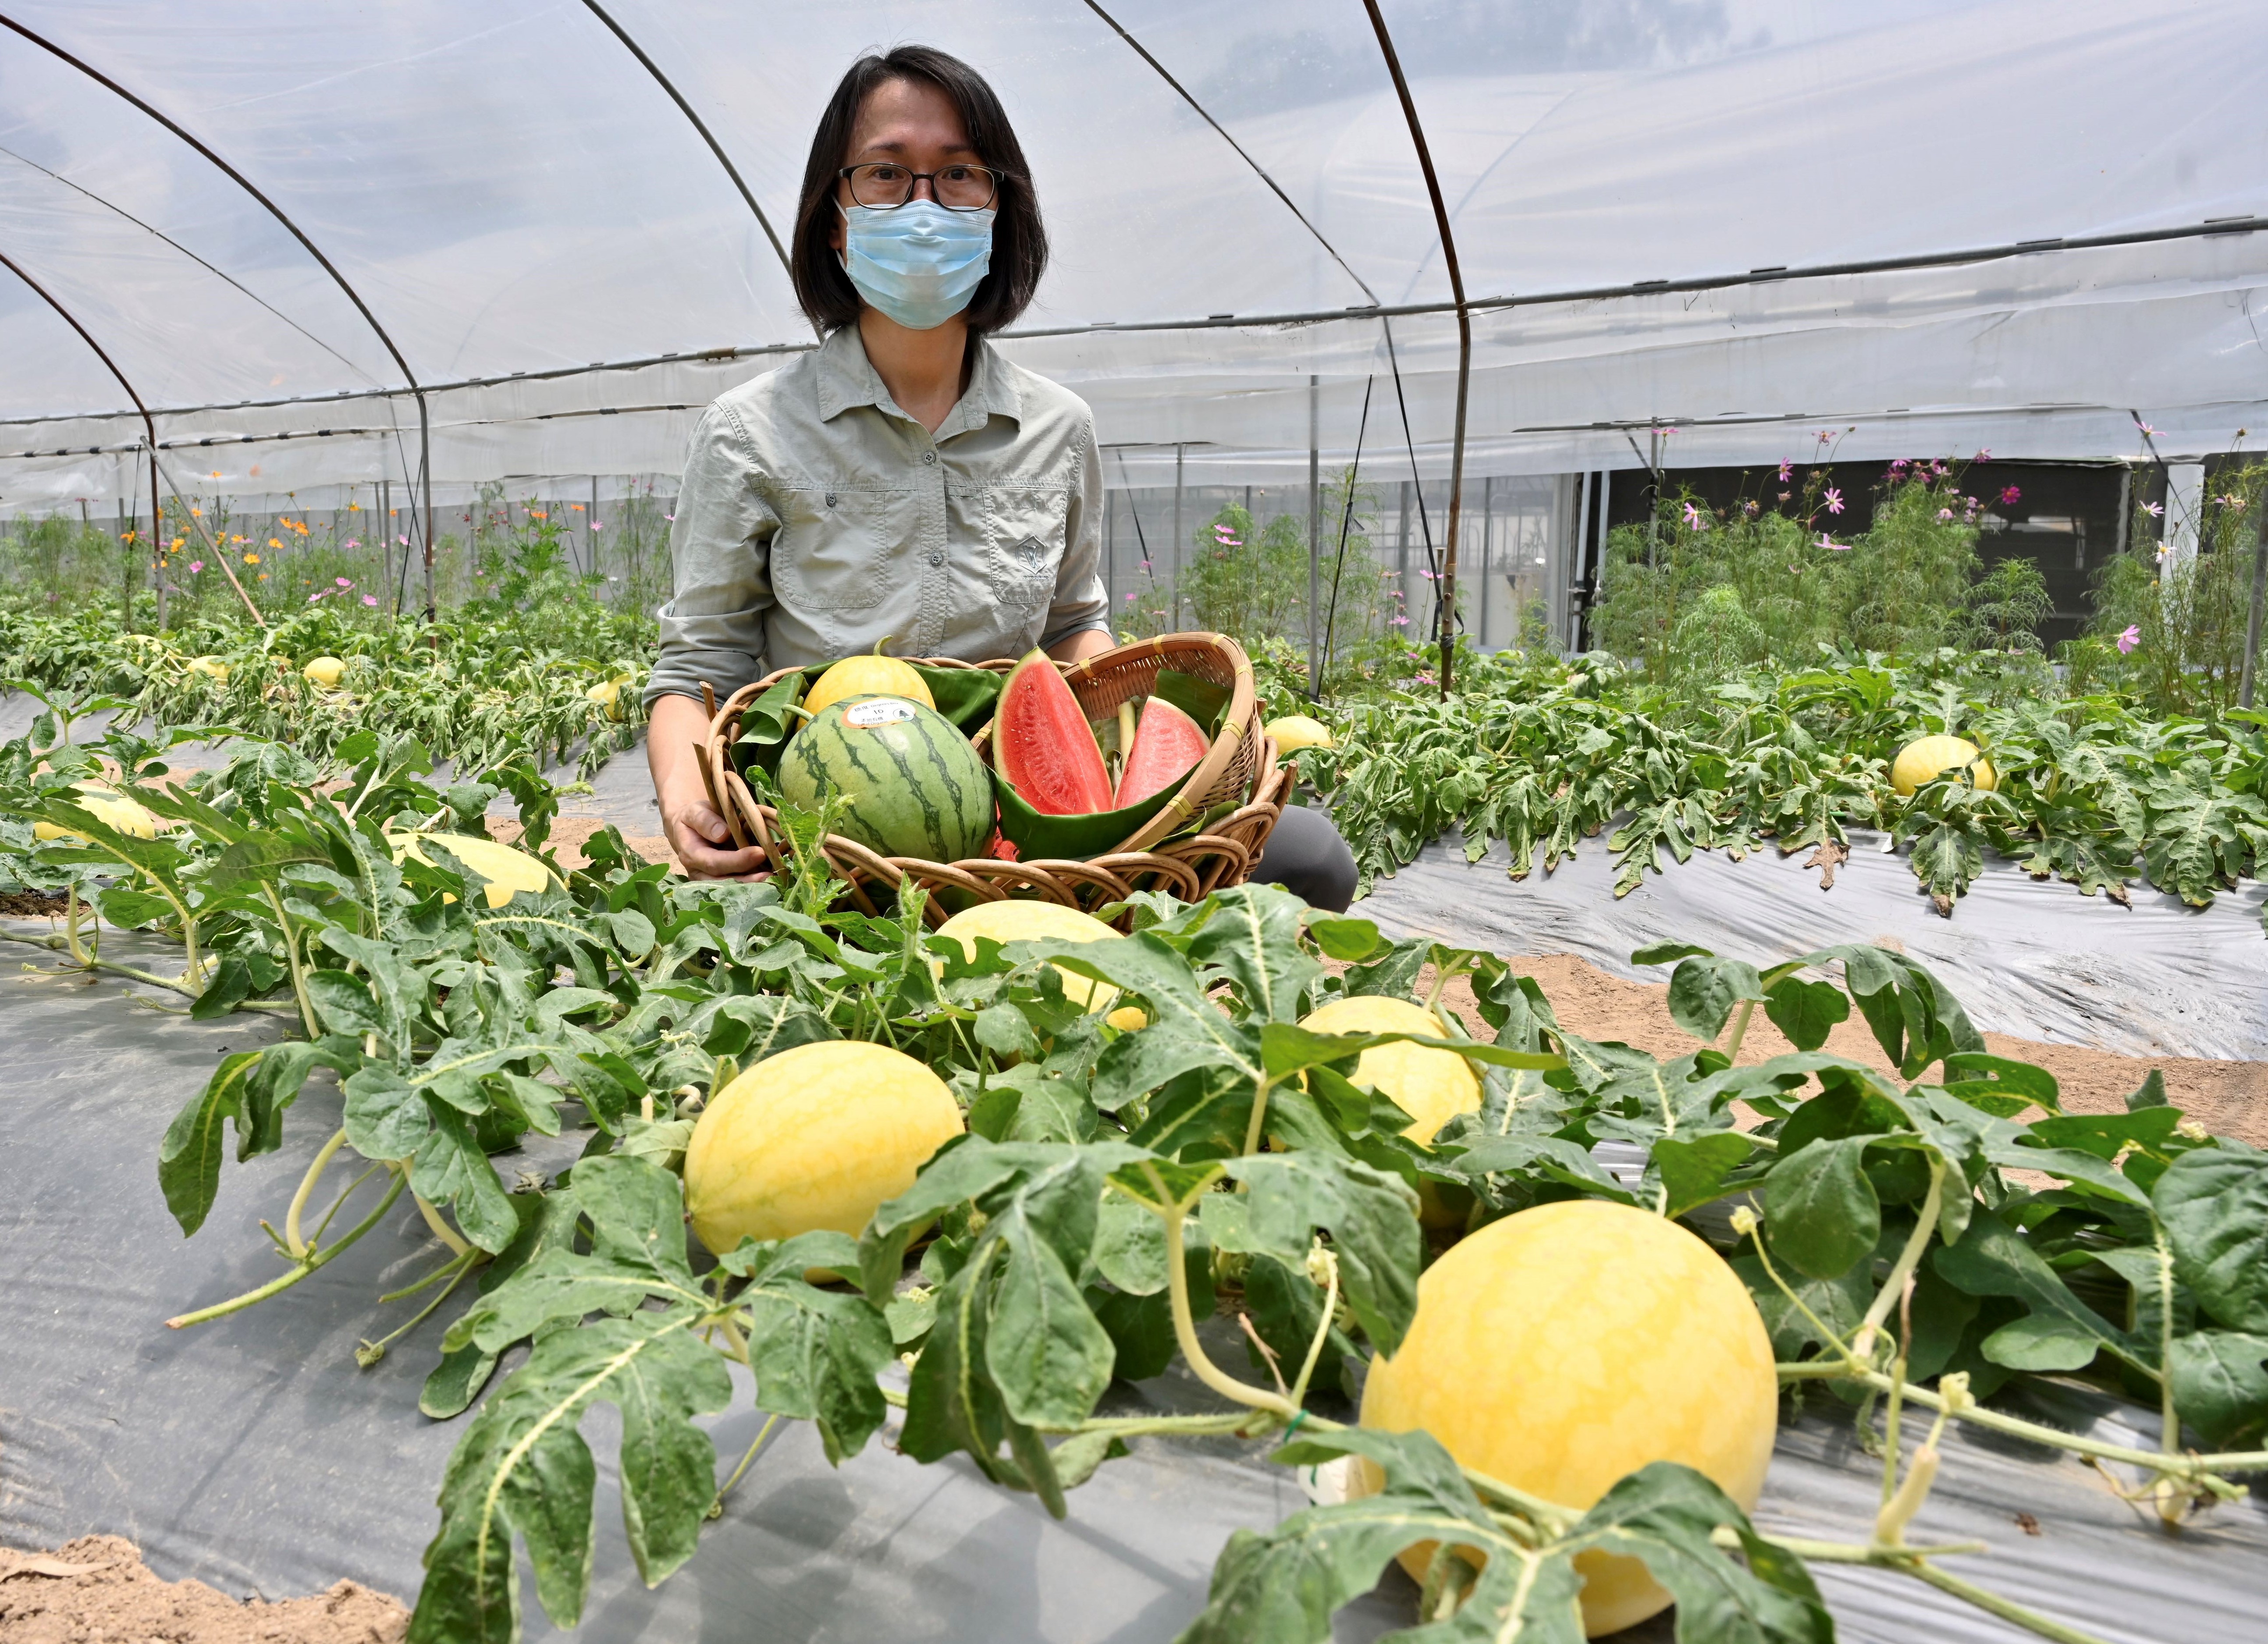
(188, 1158)
(1820, 1212)
(1251, 935)
(450, 1168)
(1693, 1169)
(523, 1472)
(1703, 989)
(2221, 1384)
(1283, 1585)
(1992, 1258)
(1045, 1350)
(2214, 1203)
(1371, 1214)
(815, 1353)
(1807, 1012)
(1839, 1303)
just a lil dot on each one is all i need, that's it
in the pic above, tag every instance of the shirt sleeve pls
(1081, 602)
(712, 629)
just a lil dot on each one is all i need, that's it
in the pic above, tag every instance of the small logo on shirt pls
(1031, 552)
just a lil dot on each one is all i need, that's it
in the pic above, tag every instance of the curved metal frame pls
(425, 417)
(699, 125)
(1447, 587)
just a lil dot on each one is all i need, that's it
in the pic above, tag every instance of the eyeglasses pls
(882, 185)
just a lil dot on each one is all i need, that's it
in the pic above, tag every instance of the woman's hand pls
(696, 833)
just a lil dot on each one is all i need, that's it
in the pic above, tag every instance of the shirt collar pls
(846, 380)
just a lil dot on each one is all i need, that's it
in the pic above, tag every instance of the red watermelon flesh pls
(1167, 745)
(1042, 745)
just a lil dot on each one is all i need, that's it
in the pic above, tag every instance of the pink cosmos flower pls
(1783, 469)
(1834, 501)
(1945, 513)
(1129, 600)
(1397, 621)
(370, 599)
(670, 517)
(1693, 519)
(1983, 454)
(2011, 493)
(2234, 504)
(1832, 547)
(343, 582)
(196, 565)
(2156, 510)
(2130, 639)
(2146, 428)
(1899, 466)
(352, 543)
(597, 525)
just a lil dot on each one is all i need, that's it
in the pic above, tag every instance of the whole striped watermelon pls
(912, 785)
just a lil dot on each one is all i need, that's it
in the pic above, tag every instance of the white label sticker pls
(876, 711)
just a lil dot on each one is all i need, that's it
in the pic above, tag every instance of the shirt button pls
(830, 499)
(936, 559)
(929, 455)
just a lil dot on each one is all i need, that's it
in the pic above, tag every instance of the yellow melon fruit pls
(608, 694)
(326, 671)
(1018, 920)
(212, 667)
(1295, 732)
(875, 675)
(508, 870)
(815, 1137)
(1930, 757)
(1129, 1018)
(1431, 1086)
(1561, 1348)
(106, 806)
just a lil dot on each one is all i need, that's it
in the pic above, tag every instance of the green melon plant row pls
(1117, 1187)
(1538, 755)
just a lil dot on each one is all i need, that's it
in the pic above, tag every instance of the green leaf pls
(1667, 952)
(2220, 1385)
(452, 1169)
(815, 1353)
(1693, 1169)
(1992, 1258)
(523, 1471)
(1807, 1012)
(1821, 1211)
(2000, 1086)
(2214, 1203)
(1838, 1303)
(188, 1159)
(1371, 1214)
(1703, 989)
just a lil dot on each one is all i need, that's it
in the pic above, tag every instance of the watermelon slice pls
(1042, 745)
(1167, 745)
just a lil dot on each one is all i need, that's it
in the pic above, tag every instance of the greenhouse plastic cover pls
(550, 250)
(252, 1453)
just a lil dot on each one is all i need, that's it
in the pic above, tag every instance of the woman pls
(904, 482)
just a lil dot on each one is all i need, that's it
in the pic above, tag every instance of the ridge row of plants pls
(1112, 1193)
(479, 687)
(1539, 755)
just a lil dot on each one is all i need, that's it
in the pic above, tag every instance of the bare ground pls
(96, 1590)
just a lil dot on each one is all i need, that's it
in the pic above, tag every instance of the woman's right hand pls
(695, 831)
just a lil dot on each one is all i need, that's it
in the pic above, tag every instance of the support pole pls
(426, 474)
(1180, 545)
(1448, 583)
(2259, 599)
(1315, 537)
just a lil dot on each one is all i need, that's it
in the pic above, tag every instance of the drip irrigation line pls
(214, 157)
(708, 137)
(1346, 519)
(1447, 595)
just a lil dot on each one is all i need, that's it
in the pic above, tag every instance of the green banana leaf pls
(1074, 837)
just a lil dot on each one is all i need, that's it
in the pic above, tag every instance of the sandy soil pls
(96, 1590)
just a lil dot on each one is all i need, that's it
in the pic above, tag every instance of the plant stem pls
(2185, 1467)
(339, 1203)
(725, 1488)
(452, 1266)
(291, 955)
(1746, 1009)
(1185, 1329)
(442, 1231)
(315, 1259)
(292, 1242)
(1554, 1515)
(1322, 1330)
(1862, 1345)
(2007, 1610)
(370, 1352)
(2171, 1501)
(1252, 1131)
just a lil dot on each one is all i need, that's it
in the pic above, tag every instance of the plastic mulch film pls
(2032, 959)
(252, 1453)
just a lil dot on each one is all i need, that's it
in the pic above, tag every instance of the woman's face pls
(904, 122)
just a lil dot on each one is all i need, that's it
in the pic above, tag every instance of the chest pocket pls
(1027, 546)
(833, 549)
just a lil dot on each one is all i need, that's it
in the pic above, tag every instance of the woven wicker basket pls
(1240, 769)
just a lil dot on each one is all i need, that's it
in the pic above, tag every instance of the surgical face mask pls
(919, 262)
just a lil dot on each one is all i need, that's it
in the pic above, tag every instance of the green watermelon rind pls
(1037, 835)
(887, 810)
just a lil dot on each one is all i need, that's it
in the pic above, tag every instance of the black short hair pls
(1019, 242)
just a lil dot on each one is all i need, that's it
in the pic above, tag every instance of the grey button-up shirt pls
(816, 518)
